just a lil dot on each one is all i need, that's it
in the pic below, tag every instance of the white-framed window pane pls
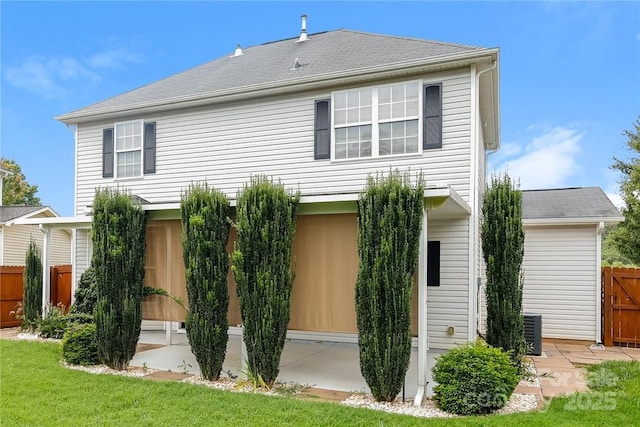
(385, 131)
(353, 115)
(365, 114)
(340, 100)
(397, 129)
(384, 95)
(365, 149)
(412, 144)
(397, 93)
(341, 151)
(353, 99)
(353, 150)
(366, 96)
(397, 110)
(412, 91)
(397, 146)
(412, 108)
(340, 117)
(341, 135)
(385, 147)
(384, 112)
(412, 128)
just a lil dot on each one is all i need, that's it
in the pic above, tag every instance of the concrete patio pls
(319, 364)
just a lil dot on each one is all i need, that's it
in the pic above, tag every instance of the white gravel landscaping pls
(517, 403)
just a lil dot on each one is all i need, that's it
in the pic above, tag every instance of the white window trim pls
(375, 124)
(115, 152)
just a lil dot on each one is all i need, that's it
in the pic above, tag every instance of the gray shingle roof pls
(568, 203)
(323, 54)
(7, 213)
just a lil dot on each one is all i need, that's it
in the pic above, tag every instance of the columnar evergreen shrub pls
(85, 295)
(205, 226)
(474, 379)
(503, 250)
(265, 223)
(79, 345)
(118, 260)
(32, 289)
(389, 225)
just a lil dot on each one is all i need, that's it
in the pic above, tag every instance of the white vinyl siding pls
(83, 251)
(559, 280)
(447, 304)
(226, 144)
(16, 240)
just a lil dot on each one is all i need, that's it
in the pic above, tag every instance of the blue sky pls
(570, 71)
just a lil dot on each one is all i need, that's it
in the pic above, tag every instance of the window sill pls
(379, 158)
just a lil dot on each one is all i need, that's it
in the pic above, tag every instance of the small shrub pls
(86, 294)
(474, 379)
(54, 323)
(79, 345)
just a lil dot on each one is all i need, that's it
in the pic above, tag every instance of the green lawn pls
(35, 390)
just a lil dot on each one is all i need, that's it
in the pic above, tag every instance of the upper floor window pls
(129, 149)
(400, 118)
(128, 138)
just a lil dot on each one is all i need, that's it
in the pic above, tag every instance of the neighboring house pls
(320, 113)
(562, 259)
(15, 238)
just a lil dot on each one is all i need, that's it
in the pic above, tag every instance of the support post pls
(167, 332)
(46, 276)
(424, 375)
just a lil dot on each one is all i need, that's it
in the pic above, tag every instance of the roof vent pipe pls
(303, 33)
(238, 51)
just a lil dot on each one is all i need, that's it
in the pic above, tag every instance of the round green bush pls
(474, 379)
(79, 345)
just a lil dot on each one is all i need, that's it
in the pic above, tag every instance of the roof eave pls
(282, 87)
(573, 221)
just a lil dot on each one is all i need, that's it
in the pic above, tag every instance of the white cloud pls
(616, 199)
(547, 161)
(54, 76)
(114, 58)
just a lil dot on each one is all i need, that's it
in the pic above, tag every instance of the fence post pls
(607, 313)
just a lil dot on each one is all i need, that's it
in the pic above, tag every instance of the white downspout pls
(474, 278)
(598, 331)
(74, 283)
(46, 277)
(424, 375)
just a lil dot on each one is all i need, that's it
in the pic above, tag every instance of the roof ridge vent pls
(238, 52)
(303, 34)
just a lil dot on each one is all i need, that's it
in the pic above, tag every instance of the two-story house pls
(320, 113)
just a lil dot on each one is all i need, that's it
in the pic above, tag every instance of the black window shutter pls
(107, 153)
(322, 129)
(433, 263)
(432, 126)
(149, 148)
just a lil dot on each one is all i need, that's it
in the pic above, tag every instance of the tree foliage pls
(611, 255)
(265, 223)
(86, 294)
(389, 224)
(503, 250)
(32, 289)
(118, 235)
(626, 237)
(15, 188)
(205, 226)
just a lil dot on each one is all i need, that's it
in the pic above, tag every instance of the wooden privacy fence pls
(621, 306)
(11, 291)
